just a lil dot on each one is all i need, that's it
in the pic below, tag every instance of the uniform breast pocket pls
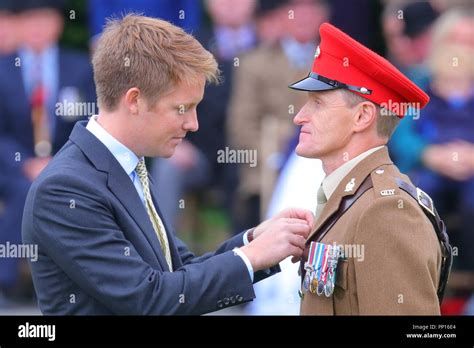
(341, 274)
(342, 296)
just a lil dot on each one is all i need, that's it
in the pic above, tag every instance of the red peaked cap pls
(342, 62)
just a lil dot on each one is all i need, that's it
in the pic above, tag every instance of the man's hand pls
(465, 156)
(295, 213)
(279, 237)
(454, 160)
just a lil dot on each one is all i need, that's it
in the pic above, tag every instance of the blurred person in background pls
(41, 86)
(455, 26)
(453, 31)
(447, 127)
(396, 43)
(440, 141)
(194, 166)
(269, 18)
(408, 28)
(8, 27)
(259, 107)
(418, 20)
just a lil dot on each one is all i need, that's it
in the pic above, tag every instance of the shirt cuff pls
(246, 239)
(246, 260)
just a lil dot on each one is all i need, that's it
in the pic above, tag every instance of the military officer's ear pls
(365, 116)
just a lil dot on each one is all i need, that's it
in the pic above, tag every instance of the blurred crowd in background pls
(46, 85)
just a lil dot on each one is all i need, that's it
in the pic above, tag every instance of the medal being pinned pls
(320, 277)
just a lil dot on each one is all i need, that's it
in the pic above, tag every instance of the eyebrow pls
(312, 95)
(189, 104)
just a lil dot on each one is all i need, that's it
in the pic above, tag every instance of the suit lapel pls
(169, 229)
(119, 184)
(122, 187)
(176, 259)
(358, 173)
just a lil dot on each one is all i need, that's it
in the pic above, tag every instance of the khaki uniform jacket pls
(398, 268)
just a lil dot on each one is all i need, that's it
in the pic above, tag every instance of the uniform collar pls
(331, 182)
(351, 181)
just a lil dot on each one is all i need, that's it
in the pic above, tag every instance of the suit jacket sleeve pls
(77, 229)
(399, 273)
(188, 257)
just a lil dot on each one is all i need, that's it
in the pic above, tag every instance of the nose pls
(299, 119)
(192, 124)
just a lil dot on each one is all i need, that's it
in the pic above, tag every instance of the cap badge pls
(350, 185)
(317, 53)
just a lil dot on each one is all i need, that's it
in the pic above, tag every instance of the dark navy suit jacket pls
(99, 254)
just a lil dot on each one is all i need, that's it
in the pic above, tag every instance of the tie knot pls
(321, 196)
(141, 169)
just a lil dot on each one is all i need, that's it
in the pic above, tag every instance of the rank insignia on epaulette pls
(387, 192)
(425, 201)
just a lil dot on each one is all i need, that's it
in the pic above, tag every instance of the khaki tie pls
(150, 208)
(321, 202)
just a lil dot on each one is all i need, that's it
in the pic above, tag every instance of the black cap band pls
(337, 84)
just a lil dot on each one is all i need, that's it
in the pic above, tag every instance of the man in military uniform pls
(378, 246)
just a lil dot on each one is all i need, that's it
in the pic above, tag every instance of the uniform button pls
(226, 301)
(379, 171)
(239, 298)
(219, 304)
